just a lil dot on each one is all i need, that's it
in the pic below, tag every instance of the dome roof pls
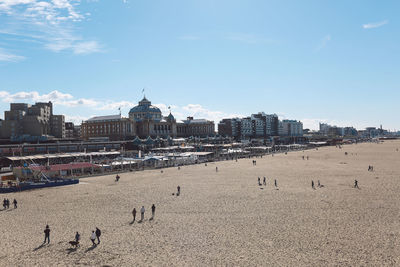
(171, 117)
(145, 106)
(145, 109)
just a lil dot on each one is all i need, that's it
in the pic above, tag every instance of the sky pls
(315, 61)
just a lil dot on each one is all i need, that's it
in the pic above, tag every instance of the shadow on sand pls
(91, 248)
(70, 250)
(39, 247)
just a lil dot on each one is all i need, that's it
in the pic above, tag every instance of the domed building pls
(145, 111)
(149, 121)
(145, 120)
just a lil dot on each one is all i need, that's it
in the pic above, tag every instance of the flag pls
(143, 90)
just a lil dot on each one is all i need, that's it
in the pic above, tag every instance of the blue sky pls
(328, 61)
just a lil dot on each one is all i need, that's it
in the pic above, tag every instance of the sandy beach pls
(221, 218)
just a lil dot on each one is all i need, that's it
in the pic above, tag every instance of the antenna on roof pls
(143, 92)
(119, 111)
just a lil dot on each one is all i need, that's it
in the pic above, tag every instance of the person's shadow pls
(91, 248)
(39, 247)
(70, 250)
(132, 222)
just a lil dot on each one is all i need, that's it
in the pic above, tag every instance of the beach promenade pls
(221, 218)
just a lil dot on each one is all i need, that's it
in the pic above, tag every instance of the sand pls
(221, 218)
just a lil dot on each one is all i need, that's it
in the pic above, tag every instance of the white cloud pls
(116, 105)
(375, 24)
(324, 41)
(9, 57)
(86, 47)
(96, 106)
(33, 96)
(49, 22)
(77, 120)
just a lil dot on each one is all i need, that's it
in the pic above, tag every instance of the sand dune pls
(221, 218)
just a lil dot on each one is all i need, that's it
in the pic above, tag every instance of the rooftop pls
(105, 118)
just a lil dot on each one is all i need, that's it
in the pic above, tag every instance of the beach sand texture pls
(221, 218)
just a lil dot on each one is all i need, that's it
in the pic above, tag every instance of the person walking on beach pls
(259, 183)
(312, 184)
(98, 234)
(179, 190)
(15, 203)
(93, 238)
(77, 237)
(47, 234)
(276, 183)
(264, 181)
(5, 204)
(142, 210)
(134, 214)
(216, 169)
(153, 211)
(319, 184)
(356, 184)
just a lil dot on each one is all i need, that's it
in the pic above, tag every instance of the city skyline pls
(335, 62)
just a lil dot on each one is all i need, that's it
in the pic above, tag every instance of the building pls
(144, 120)
(77, 132)
(57, 125)
(258, 125)
(31, 120)
(269, 123)
(246, 128)
(350, 131)
(290, 128)
(229, 127)
(329, 130)
(149, 121)
(69, 130)
(195, 127)
(113, 127)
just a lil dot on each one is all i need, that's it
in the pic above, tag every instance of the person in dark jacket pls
(15, 203)
(134, 214)
(47, 234)
(153, 211)
(98, 234)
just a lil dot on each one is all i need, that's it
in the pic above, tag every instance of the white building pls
(290, 128)
(246, 128)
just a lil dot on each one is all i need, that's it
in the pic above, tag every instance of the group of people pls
(6, 203)
(370, 168)
(95, 235)
(254, 162)
(142, 211)
(265, 182)
(313, 185)
(305, 157)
